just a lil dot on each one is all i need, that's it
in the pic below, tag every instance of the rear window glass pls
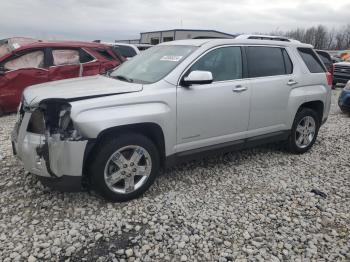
(65, 57)
(311, 60)
(125, 51)
(265, 61)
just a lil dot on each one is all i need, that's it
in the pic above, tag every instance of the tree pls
(320, 36)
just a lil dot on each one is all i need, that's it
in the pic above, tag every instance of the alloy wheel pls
(127, 169)
(305, 132)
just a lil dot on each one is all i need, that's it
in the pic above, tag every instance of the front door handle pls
(239, 89)
(291, 82)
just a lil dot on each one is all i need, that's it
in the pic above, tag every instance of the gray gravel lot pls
(254, 205)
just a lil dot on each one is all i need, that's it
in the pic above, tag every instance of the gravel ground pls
(254, 205)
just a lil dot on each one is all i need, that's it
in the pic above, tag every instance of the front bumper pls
(50, 158)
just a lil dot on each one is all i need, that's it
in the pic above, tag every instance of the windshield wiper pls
(123, 78)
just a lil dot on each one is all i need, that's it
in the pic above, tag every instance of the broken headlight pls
(36, 123)
(64, 120)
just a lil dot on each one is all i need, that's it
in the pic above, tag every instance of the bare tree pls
(330, 39)
(320, 37)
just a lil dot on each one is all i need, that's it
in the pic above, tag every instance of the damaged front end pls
(48, 144)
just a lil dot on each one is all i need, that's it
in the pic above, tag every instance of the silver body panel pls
(190, 118)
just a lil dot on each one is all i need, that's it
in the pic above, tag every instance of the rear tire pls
(124, 167)
(304, 131)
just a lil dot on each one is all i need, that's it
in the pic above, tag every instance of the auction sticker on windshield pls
(173, 58)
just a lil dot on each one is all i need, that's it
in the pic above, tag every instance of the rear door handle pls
(239, 89)
(292, 82)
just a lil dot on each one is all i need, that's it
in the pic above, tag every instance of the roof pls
(61, 44)
(42, 44)
(238, 40)
(185, 30)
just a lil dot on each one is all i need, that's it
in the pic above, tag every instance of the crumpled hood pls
(78, 88)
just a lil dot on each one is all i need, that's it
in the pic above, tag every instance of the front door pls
(214, 113)
(20, 70)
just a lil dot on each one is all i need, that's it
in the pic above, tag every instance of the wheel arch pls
(151, 130)
(316, 105)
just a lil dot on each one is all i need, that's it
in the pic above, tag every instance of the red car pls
(39, 62)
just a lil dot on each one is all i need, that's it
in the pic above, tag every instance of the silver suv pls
(174, 101)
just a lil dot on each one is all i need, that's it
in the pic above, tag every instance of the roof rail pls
(267, 37)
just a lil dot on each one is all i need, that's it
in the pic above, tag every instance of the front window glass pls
(29, 60)
(153, 64)
(224, 63)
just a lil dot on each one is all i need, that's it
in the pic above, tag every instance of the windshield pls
(153, 64)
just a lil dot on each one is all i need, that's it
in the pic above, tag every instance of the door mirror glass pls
(198, 78)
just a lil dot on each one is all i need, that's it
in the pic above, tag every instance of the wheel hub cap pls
(305, 132)
(127, 169)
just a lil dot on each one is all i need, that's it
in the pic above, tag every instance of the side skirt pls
(231, 146)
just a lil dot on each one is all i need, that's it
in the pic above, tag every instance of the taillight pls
(329, 78)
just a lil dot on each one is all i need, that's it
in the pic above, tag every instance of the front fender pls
(91, 123)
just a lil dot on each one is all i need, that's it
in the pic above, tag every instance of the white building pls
(156, 37)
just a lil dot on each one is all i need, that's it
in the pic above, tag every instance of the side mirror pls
(198, 78)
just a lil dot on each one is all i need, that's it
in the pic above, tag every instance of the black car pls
(341, 73)
(326, 59)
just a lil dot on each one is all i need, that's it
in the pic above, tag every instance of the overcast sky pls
(125, 19)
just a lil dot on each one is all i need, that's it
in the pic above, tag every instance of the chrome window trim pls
(239, 45)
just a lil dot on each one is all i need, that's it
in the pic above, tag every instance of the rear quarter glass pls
(311, 60)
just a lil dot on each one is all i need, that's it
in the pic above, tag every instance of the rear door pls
(65, 63)
(90, 64)
(270, 71)
(22, 69)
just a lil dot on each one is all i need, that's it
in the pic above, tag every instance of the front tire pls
(304, 131)
(124, 167)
